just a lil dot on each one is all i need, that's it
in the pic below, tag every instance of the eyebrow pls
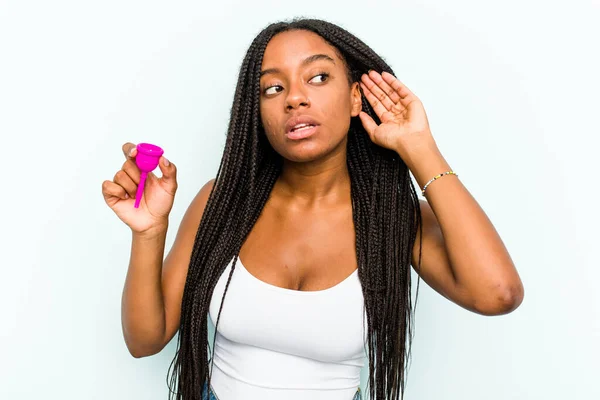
(304, 63)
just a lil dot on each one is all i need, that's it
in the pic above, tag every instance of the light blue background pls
(511, 91)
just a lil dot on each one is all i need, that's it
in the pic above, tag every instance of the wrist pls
(425, 162)
(157, 231)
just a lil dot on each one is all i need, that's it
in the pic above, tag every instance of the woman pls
(314, 195)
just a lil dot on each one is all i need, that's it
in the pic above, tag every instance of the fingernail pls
(126, 195)
(131, 151)
(165, 162)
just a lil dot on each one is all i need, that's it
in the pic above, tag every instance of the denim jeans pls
(213, 396)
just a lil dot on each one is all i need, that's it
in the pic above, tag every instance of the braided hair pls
(385, 210)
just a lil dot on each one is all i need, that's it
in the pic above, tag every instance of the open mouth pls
(301, 131)
(302, 127)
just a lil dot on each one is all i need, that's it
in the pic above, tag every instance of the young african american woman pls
(314, 209)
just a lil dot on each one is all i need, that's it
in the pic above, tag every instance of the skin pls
(304, 239)
(309, 210)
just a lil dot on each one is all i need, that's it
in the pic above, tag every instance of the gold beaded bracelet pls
(437, 177)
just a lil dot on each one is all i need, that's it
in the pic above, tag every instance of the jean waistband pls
(213, 396)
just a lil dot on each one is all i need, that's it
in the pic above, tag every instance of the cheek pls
(338, 114)
(268, 122)
(271, 128)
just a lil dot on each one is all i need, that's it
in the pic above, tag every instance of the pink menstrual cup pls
(146, 159)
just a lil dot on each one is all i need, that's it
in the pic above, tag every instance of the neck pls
(322, 182)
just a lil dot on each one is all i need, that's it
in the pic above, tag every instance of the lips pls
(299, 122)
(302, 133)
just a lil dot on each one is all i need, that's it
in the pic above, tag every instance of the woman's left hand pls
(404, 125)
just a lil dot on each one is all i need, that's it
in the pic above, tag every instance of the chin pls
(305, 152)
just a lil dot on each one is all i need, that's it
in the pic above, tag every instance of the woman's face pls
(303, 80)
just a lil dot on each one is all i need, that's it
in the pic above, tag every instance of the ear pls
(356, 98)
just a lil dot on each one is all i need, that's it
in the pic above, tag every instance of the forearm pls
(142, 307)
(480, 262)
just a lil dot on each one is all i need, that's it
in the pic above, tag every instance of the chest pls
(306, 251)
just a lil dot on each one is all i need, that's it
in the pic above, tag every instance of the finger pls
(379, 108)
(129, 150)
(379, 94)
(131, 168)
(122, 179)
(383, 86)
(406, 96)
(368, 122)
(169, 175)
(111, 189)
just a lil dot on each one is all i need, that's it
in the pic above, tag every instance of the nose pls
(297, 97)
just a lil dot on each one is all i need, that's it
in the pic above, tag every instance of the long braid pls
(385, 213)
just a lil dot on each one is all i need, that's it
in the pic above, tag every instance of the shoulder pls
(205, 191)
(198, 204)
(193, 215)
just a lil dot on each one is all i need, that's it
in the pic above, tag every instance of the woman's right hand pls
(157, 201)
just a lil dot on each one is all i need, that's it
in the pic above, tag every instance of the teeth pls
(301, 126)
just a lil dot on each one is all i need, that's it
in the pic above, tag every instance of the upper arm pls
(435, 266)
(175, 265)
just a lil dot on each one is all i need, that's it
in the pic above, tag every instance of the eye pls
(278, 88)
(266, 90)
(324, 76)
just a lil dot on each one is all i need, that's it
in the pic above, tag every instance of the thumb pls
(368, 122)
(169, 173)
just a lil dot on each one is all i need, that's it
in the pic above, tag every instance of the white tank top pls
(277, 343)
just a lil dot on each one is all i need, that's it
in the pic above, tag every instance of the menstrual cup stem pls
(140, 189)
